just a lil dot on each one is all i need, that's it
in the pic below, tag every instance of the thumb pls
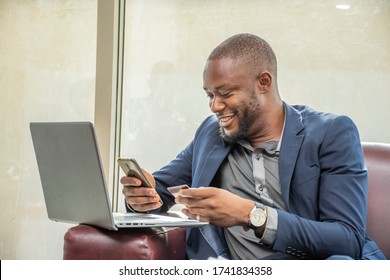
(150, 178)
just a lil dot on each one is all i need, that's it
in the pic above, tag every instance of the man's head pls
(240, 81)
(248, 49)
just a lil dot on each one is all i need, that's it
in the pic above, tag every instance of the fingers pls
(198, 193)
(149, 177)
(193, 214)
(137, 194)
(198, 203)
(130, 181)
(216, 206)
(146, 207)
(140, 198)
(200, 197)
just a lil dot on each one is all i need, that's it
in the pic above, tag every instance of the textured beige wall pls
(47, 73)
(331, 59)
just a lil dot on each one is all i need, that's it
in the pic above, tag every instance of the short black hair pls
(249, 49)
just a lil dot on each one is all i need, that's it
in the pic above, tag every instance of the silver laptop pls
(73, 181)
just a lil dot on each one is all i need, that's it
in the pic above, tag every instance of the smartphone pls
(132, 169)
(176, 189)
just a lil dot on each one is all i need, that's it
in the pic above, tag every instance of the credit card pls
(176, 189)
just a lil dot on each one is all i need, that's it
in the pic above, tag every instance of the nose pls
(217, 104)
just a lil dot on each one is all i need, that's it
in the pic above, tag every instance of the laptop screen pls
(71, 173)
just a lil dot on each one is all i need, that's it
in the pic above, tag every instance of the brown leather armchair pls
(377, 158)
(87, 242)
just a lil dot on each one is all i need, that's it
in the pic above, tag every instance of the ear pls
(264, 80)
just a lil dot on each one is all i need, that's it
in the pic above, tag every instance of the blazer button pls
(288, 250)
(293, 252)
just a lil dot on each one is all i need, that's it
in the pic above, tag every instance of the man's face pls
(233, 98)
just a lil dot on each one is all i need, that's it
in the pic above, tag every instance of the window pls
(334, 59)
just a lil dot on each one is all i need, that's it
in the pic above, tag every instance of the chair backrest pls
(377, 159)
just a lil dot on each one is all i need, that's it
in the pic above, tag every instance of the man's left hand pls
(217, 206)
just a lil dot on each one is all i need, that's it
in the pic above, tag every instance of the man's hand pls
(140, 198)
(217, 206)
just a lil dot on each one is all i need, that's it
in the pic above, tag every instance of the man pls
(273, 180)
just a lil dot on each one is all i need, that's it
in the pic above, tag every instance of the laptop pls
(73, 182)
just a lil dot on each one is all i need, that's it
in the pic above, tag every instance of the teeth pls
(225, 119)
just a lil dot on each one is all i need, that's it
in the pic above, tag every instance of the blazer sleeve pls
(180, 170)
(327, 214)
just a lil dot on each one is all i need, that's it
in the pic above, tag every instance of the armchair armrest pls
(85, 242)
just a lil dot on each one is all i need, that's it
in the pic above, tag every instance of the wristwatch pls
(257, 218)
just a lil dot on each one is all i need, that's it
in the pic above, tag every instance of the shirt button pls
(259, 188)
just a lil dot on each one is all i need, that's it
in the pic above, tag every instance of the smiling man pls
(274, 180)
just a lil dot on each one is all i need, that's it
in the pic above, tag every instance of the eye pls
(226, 94)
(210, 95)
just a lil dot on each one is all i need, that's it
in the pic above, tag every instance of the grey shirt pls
(252, 174)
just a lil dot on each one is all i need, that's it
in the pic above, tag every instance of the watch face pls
(257, 217)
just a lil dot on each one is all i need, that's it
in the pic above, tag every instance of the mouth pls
(226, 120)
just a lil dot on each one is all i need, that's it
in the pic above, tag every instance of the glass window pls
(334, 58)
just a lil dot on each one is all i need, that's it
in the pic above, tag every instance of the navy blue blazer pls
(323, 179)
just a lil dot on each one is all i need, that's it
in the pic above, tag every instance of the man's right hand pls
(140, 198)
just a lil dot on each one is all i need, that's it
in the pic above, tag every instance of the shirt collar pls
(245, 143)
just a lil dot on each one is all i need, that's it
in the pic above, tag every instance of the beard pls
(246, 119)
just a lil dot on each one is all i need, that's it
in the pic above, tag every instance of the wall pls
(47, 73)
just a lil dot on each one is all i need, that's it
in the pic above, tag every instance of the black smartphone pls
(132, 169)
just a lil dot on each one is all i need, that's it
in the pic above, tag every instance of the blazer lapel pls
(291, 144)
(212, 162)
